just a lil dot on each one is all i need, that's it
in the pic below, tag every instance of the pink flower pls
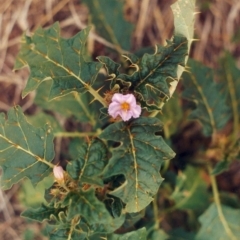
(58, 173)
(125, 106)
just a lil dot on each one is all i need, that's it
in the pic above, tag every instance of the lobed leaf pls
(92, 159)
(108, 18)
(180, 234)
(74, 104)
(51, 57)
(75, 226)
(139, 159)
(99, 230)
(191, 191)
(229, 75)
(183, 11)
(64, 230)
(42, 213)
(184, 16)
(151, 79)
(41, 119)
(213, 225)
(159, 234)
(140, 234)
(85, 203)
(221, 167)
(172, 114)
(111, 67)
(25, 151)
(211, 108)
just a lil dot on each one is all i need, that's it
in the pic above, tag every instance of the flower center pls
(125, 106)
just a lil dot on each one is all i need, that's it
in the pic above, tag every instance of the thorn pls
(92, 101)
(99, 89)
(109, 79)
(187, 70)
(195, 13)
(68, 162)
(126, 58)
(195, 39)
(88, 139)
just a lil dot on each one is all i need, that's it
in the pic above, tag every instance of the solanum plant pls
(113, 170)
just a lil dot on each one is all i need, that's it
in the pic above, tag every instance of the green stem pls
(155, 112)
(218, 204)
(234, 101)
(74, 222)
(155, 212)
(96, 95)
(75, 134)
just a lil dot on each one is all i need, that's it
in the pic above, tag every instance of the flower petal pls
(129, 98)
(114, 109)
(117, 97)
(136, 111)
(125, 115)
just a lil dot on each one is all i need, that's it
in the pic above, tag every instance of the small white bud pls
(58, 173)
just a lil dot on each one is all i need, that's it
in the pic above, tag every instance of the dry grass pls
(215, 28)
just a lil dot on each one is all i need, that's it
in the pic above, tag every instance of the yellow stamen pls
(125, 106)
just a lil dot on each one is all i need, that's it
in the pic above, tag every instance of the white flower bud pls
(58, 173)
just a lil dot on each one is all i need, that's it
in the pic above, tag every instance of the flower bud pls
(58, 173)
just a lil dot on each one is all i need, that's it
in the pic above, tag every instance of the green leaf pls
(114, 206)
(73, 149)
(65, 231)
(85, 203)
(154, 72)
(191, 192)
(139, 158)
(92, 159)
(41, 119)
(180, 234)
(184, 12)
(42, 213)
(73, 104)
(108, 18)
(221, 167)
(133, 218)
(111, 67)
(139, 234)
(159, 234)
(25, 151)
(100, 230)
(211, 108)
(51, 57)
(229, 75)
(172, 114)
(184, 15)
(214, 226)
(30, 196)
